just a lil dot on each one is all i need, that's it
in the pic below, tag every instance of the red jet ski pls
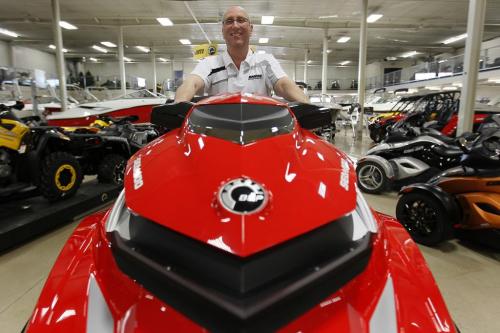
(240, 219)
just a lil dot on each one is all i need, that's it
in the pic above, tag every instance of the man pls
(239, 69)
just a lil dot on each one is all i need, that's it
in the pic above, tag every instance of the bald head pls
(235, 10)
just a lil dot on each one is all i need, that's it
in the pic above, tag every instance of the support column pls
(305, 65)
(153, 67)
(11, 61)
(362, 67)
(324, 68)
(475, 24)
(294, 70)
(56, 15)
(172, 76)
(121, 62)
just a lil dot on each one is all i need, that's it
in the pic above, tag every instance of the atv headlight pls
(118, 219)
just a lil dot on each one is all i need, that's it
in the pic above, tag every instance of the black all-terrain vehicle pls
(35, 157)
(104, 148)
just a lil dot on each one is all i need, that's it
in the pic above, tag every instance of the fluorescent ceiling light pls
(373, 17)
(93, 59)
(127, 59)
(409, 54)
(8, 33)
(391, 58)
(267, 20)
(143, 49)
(263, 40)
(449, 88)
(432, 88)
(165, 21)
(185, 41)
(455, 39)
(343, 63)
(309, 61)
(456, 84)
(261, 52)
(328, 16)
(98, 48)
(163, 59)
(53, 47)
(328, 51)
(67, 25)
(343, 39)
(108, 44)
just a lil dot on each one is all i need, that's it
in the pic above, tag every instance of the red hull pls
(143, 112)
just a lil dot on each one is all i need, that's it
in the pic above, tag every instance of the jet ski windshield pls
(241, 123)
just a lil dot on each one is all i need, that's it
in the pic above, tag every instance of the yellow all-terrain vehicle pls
(35, 157)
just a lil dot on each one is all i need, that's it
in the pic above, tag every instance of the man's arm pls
(192, 83)
(287, 89)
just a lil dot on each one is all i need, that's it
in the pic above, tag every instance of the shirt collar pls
(228, 60)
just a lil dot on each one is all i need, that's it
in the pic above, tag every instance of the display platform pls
(22, 219)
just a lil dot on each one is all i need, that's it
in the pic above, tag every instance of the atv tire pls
(371, 178)
(424, 217)
(111, 170)
(60, 176)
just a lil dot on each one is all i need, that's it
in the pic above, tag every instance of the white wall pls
(4, 54)
(27, 58)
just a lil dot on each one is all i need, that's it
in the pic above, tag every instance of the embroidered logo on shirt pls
(255, 77)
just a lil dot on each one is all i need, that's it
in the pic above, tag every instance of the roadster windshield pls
(241, 123)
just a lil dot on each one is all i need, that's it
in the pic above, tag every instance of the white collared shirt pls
(258, 74)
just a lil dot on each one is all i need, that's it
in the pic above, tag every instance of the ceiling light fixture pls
(409, 54)
(328, 51)
(164, 21)
(263, 40)
(328, 16)
(309, 61)
(127, 59)
(93, 59)
(185, 41)
(53, 47)
(100, 49)
(8, 33)
(267, 20)
(163, 59)
(67, 25)
(373, 17)
(455, 39)
(391, 58)
(108, 44)
(143, 49)
(343, 39)
(343, 63)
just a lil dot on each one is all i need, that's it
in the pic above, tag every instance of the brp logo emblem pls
(243, 196)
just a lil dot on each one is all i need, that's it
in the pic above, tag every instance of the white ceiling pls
(407, 25)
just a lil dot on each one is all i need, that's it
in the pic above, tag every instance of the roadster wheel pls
(424, 217)
(60, 176)
(112, 169)
(371, 177)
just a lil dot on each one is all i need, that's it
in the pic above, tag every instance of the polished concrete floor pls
(467, 275)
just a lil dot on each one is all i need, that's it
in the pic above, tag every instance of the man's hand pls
(287, 89)
(191, 85)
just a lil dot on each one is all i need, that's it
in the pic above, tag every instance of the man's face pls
(236, 28)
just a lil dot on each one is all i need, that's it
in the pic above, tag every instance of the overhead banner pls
(204, 50)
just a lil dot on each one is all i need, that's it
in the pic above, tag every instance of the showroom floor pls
(466, 274)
